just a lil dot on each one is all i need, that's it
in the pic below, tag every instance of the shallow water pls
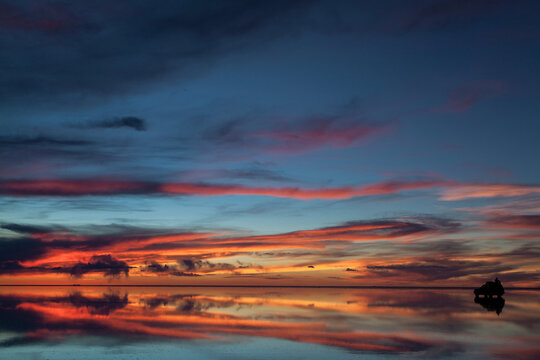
(265, 323)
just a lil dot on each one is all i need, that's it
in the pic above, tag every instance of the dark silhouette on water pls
(490, 303)
(490, 289)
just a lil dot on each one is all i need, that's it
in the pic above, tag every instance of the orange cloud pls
(472, 191)
(114, 187)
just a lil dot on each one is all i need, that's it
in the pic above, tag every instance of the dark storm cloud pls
(132, 122)
(101, 47)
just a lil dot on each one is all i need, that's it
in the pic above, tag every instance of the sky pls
(350, 143)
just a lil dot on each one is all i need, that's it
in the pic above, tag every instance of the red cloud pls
(466, 97)
(72, 187)
(321, 135)
(112, 187)
(471, 191)
(453, 190)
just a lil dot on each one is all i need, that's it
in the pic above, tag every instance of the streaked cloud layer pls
(283, 142)
(348, 322)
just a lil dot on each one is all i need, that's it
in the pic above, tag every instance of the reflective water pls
(265, 323)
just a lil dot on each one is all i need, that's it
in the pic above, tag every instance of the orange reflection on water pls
(398, 321)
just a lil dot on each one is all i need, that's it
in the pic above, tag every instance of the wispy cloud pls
(130, 122)
(99, 187)
(452, 190)
(467, 96)
(472, 191)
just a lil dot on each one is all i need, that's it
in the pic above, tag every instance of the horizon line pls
(272, 286)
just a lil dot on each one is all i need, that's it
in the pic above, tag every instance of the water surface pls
(265, 323)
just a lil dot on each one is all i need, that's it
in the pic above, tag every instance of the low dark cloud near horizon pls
(435, 269)
(188, 267)
(105, 264)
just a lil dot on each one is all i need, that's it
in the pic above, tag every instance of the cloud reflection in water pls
(426, 323)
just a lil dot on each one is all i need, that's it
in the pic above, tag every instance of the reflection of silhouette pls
(490, 289)
(99, 306)
(491, 304)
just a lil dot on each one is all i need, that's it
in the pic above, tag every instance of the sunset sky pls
(351, 143)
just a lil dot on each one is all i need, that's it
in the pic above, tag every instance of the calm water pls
(264, 323)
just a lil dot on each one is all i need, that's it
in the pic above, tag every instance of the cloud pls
(155, 267)
(131, 43)
(132, 122)
(104, 305)
(188, 267)
(26, 229)
(437, 15)
(74, 187)
(20, 249)
(28, 319)
(25, 141)
(47, 18)
(382, 251)
(18, 254)
(473, 191)
(439, 268)
(251, 173)
(99, 187)
(467, 96)
(526, 221)
(105, 264)
(343, 127)
(195, 265)
(336, 132)
(61, 251)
